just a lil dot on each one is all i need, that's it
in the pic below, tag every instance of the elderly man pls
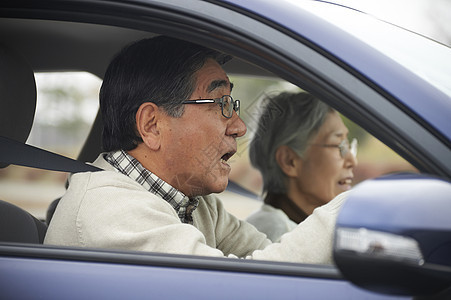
(170, 127)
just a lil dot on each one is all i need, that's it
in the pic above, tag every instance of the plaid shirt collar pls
(129, 166)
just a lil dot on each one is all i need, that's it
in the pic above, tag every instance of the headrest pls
(17, 96)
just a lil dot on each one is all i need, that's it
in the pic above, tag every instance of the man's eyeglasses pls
(344, 147)
(228, 105)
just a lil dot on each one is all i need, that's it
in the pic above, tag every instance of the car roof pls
(53, 45)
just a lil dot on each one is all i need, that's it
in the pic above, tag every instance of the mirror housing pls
(393, 235)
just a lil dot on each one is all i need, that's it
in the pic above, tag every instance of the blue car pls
(393, 235)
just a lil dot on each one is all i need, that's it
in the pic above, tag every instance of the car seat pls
(17, 109)
(17, 225)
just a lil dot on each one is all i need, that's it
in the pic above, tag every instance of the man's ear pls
(147, 118)
(288, 160)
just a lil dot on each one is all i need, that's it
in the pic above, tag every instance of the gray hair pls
(161, 70)
(291, 119)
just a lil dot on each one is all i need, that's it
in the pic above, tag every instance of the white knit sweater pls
(107, 209)
(271, 221)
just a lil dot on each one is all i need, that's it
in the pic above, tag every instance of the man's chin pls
(216, 187)
(214, 182)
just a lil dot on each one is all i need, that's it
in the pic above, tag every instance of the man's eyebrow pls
(218, 83)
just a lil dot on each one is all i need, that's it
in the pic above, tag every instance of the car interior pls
(50, 48)
(17, 86)
(31, 46)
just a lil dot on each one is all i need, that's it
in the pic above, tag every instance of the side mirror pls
(393, 235)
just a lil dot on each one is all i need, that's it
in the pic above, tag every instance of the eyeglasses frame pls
(235, 103)
(342, 147)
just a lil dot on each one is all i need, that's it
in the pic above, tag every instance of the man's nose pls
(236, 127)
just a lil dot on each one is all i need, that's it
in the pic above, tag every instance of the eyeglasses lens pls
(345, 147)
(228, 106)
(353, 147)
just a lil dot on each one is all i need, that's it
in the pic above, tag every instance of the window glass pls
(66, 107)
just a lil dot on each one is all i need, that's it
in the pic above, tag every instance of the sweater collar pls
(283, 202)
(129, 166)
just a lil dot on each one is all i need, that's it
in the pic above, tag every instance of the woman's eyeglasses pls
(344, 147)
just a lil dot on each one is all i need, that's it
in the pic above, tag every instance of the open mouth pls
(227, 156)
(346, 181)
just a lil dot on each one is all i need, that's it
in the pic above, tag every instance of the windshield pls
(424, 57)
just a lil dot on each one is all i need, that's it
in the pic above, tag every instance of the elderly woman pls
(302, 150)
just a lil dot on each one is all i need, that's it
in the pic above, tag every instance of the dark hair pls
(290, 119)
(159, 70)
